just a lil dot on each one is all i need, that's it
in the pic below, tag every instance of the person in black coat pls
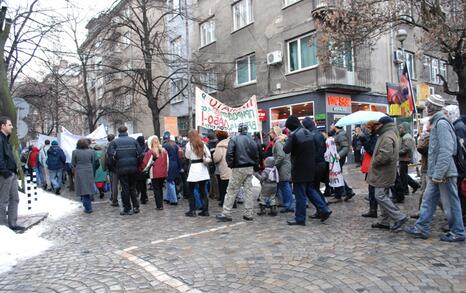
(141, 178)
(302, 148)
(125, 153)
(368, 139)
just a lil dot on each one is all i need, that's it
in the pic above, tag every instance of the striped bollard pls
(31, 189)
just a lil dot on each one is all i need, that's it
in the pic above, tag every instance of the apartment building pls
(269, 49)
(117, 67)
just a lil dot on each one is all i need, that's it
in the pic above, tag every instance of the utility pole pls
(188, 68)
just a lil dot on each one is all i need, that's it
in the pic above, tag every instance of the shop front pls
(324, 107)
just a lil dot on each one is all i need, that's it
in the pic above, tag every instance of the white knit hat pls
(436, 100)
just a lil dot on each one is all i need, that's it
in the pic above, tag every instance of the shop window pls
(302, 110)
(355, 106)
(280, 113)
(379, 108)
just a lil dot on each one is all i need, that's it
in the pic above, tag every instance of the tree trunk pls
(8, 109)
(156, 120)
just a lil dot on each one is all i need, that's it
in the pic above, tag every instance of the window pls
(246, 69)
(126, 40)
(279, 115)
(343, 58)
(207, 32)
(176, 87)
(289, 2)
(355, 106)
(242, 14)
(209, 82)
(302, 53)
(174, 4)
(434, 70)
(443, 69)
(127, 102)
(410, 60)
(175, 47)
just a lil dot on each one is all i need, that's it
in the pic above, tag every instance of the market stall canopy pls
(359, 117)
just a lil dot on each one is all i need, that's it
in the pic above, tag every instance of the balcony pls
(321, 7)
(337, 79)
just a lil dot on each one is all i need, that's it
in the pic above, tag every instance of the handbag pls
(366, 163)
(206, 159)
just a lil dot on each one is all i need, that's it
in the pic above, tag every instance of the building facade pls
(269, 49)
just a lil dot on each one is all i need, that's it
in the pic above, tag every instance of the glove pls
(438, 181)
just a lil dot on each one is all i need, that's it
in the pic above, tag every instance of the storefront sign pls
(213, 114)
(338, 103)
(262, 115)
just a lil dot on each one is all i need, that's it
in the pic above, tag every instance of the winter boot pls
(262, 210)
(273, 211)
(372, 210)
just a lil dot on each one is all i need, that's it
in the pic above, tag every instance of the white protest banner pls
(42, 138)
(98, 133)
(213, 114)
(68, 143)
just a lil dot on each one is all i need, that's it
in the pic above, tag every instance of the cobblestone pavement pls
(163, 251)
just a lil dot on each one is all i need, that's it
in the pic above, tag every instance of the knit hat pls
(242, 128)
(309, 124)
(292, 123)
(166, 135)
(54, 142)
(436, 100)
(386, 119)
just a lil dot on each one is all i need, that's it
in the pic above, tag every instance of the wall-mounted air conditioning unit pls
(398, 57)
(274, 57)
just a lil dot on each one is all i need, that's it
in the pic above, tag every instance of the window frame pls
(211, 26)
(176, 85)
(208, 81)
(298, 39)
(250, 80)
(249, 14)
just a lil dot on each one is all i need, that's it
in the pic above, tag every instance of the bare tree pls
(440, 24)
(30, 26)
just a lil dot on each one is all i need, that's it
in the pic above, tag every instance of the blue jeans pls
(448, 195)
(303, 191)
(171, 191)
(87, 203)
(284, 188)
(56, 178)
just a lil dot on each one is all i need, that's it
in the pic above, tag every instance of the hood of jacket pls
(53, 150)
(309, 124)
(223, 143)
(386, 127)
(292, 123)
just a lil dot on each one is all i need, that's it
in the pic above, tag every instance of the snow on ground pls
(17, 247)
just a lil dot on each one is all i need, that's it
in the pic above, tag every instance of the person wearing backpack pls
(441, 176)
(460, 130)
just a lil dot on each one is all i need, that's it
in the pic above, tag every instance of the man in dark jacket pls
(407, 146)
(56, 160)
(242, 157)
(301, 146)
(211, 145)
(8, 178)
(125, 153)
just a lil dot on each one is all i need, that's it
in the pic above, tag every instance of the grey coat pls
(342, 143)
(82, 161)
(282, 160)
(442, 147)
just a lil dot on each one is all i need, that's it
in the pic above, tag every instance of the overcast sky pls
(85, 9)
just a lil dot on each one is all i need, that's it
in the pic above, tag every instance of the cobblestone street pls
(163, 251)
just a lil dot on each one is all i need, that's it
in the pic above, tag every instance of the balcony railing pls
(331, 76)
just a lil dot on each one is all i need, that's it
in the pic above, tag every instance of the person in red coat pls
(156, 162)
(33, 164)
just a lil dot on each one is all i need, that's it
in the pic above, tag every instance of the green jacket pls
(382, 172)
(100, 174)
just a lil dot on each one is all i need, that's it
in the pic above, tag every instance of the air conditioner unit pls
(431, 90)
(398, 57)
(274, 57)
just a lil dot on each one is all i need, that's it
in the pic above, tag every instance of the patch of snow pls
(57, 206)
(16, 247)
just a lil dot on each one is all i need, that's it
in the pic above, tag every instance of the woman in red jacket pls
(156, 162)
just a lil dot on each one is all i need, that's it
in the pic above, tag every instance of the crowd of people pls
(288, 172)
